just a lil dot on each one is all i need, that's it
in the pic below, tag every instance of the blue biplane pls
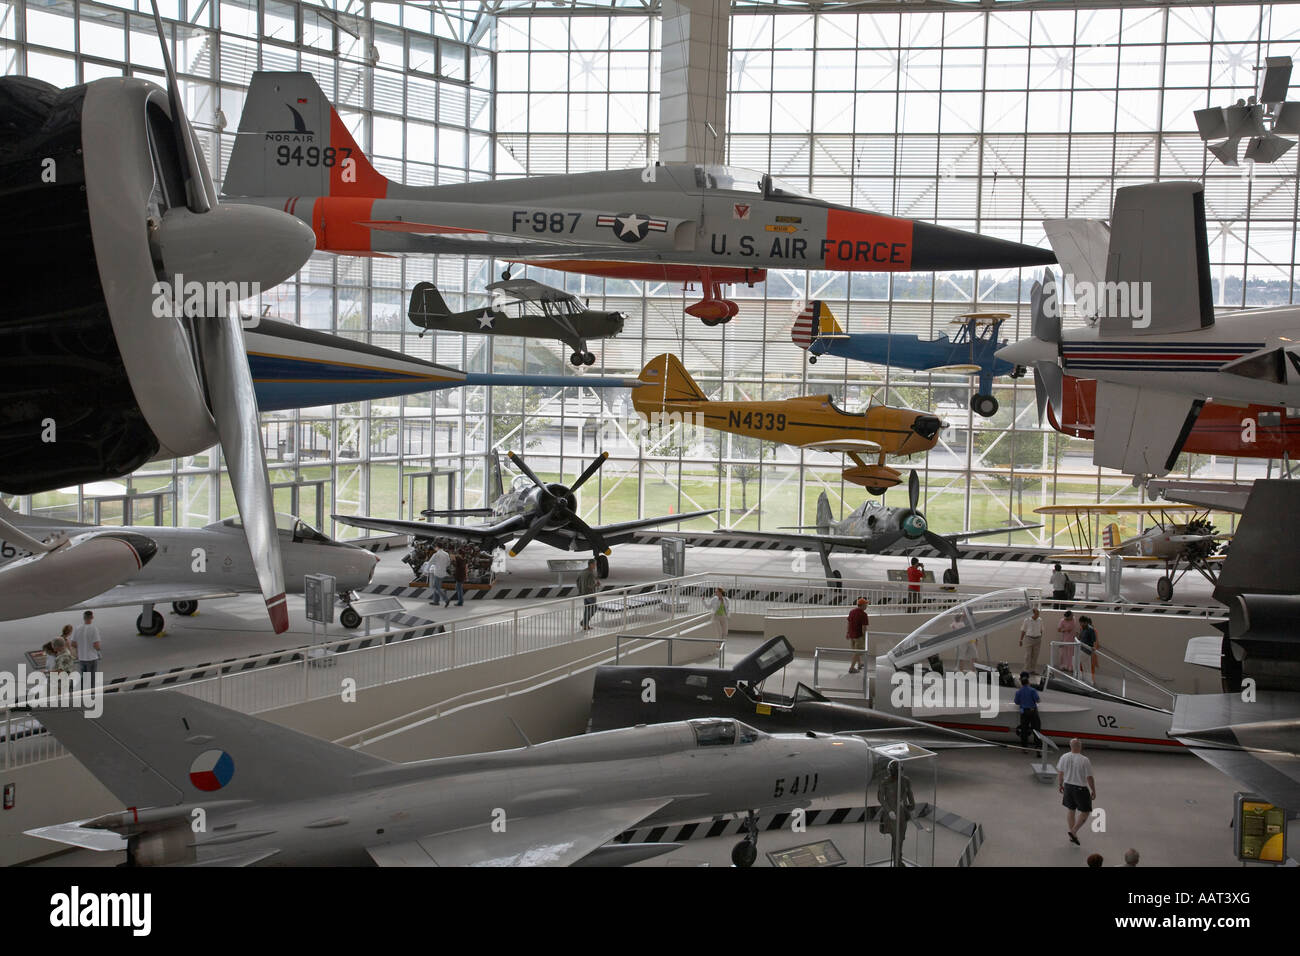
(970, 350)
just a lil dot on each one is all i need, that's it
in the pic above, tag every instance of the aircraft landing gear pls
(185, 608)
(745, 852)
(350, 619)
(602, 566)
(576, 359)
(1164, 588)
(150, 622)
(986, 406)
(588, 358)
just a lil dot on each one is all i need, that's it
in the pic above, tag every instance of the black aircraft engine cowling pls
(61, 362)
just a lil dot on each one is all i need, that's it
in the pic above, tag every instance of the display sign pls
(318, 592)
(821, 853)
(1260, 829)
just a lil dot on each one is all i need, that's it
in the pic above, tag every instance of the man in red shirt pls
(857, 633)
(915, 574)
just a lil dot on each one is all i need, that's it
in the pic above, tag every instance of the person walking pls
(1060, 583)
(856, 634)
(1087, 650)
(63, 662)
(460, 571)
(1075, 782)
(87, 644)
(588, 583)
(1067, 633)
(1027, 700)
(435, 569)
(717, 603)
(915, 575)
(1032, 631)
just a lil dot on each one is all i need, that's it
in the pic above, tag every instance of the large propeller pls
(912, 523)
(1042, 350)
(557, 505)
(206, 242)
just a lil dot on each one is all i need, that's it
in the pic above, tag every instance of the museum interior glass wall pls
(987, 121)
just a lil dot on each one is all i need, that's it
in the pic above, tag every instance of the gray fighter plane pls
(184, 566)
(294, 154)
(531, 510)
(540, 312)
(277, 796)
(874, 528)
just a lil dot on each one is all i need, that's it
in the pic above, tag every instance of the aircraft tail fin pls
(292, 142)
(664, 381)
(427, 303)
(815, 320)
(162, 748)
(1110, 536)
(825, 517)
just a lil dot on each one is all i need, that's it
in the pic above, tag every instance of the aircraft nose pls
(927, 426)
(1027, 351)
(939, 247)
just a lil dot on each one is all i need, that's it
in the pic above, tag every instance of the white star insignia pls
(630, 224)
(485, 320)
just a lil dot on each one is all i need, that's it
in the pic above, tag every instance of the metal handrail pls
(1140, 677)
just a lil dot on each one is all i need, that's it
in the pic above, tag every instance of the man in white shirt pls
(1074, 780)
(436, 569)
(1032, 631)
(86, 644)
(1059, 584)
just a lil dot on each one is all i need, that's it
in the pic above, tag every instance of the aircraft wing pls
(847, 542)
(1215, 496)
(986, 532)
(559, 838)
(1140, 431)
(128, 594)
(428, 529)
(1256, 743)
(621, 531)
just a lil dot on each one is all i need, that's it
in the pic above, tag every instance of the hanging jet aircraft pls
(99, 378)
(971, 350)
(293, 153)
(666, 391)
(542, 312)
(1180, 537)
(188, 565)
(1157, 350)
(874, 528)
(293, 800)
(1255, 431)
(531, 510)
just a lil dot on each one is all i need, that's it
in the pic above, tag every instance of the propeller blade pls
(199, 194)
(941, 544)
(1045, 309)
(523, 466)
(590, 470)
(1049, 385)
(913, 490)
(234, 408)
(591, 534)
(533, 531)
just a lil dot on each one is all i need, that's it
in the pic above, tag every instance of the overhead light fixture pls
(1258, 119)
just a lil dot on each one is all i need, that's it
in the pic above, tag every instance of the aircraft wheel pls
(986, 406)
(350, 619)
(185, 608)
(588, 358)
(724, 320)
(153, 628)
(602, 566)
(576, 359)
(950, 576)
(877, 491)
(744, 853)
(812, 360)
(1164, 589)
(710, 322)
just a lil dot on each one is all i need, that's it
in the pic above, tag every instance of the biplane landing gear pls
(1164, 588)
(745, 852)
(985, 406)
(578, 359)
(812, 360)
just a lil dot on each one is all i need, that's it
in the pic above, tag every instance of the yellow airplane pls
(812, 422)
(1180, 537)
